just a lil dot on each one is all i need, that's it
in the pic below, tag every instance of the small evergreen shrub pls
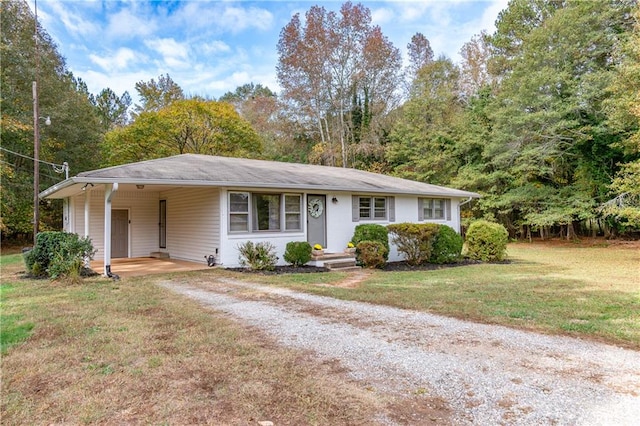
(487, 241)
(58, 255)
(297, 253)
(372, 232)
(371, 254)
(414, 240)
(258, 256)
(447, 246)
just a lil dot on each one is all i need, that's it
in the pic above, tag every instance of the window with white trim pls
(433, 208)
(264, 212)
(238, 211)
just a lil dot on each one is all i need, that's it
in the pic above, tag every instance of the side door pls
(119, 233)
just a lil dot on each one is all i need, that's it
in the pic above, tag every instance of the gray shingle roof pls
(206, 170)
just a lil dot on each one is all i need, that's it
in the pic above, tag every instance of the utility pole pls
(36, 134)
(36, 164)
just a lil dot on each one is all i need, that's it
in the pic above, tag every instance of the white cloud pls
(75, 24)
(121, 60)
(174, 54)
(119, 83)
(382, 16)
(214, 47)
(239, 19)
(125, 24)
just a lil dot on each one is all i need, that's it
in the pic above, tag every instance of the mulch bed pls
(390, 267)
(282, 270)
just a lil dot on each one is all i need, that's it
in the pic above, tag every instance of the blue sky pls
(212, 47)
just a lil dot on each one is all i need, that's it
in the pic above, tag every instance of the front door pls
(316, 220)
(119, 233)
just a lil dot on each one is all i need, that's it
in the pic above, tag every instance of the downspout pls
(87, 211)
(87, 215)
(465, 202)
(108, 194)
(459, 214)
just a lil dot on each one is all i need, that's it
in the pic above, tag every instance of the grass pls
(131, 352)
(580, 290)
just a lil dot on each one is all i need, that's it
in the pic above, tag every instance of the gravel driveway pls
(487, 374)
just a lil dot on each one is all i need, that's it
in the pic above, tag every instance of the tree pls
(113, 110)
(72, 137)
(474, 73)
(420, 54)
(549, 131)
(185, 126)
(156, 95)
(624, 118)
(324, 64)
(423, 140)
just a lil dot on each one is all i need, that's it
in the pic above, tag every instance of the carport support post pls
(87, 211)
(109, 190)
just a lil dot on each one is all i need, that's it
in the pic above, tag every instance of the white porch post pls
(109, 190)
(87, 210)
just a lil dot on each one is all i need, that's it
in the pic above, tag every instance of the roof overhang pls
(77, 184)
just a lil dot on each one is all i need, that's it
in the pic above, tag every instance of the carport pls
(138, 266)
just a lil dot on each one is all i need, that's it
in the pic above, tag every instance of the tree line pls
(542, 117)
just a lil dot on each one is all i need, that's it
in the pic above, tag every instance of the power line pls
(31, 158)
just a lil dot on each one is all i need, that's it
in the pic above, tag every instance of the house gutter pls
(465, 202)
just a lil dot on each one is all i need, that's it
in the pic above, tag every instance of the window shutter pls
(355, 208)
(392, 208)
(448, 208)
(420, 209)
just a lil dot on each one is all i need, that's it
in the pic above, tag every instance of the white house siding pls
(228, 253)
(340, 226)
(143, 219)
(193, 223)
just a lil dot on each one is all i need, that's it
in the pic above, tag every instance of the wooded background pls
(541, 117)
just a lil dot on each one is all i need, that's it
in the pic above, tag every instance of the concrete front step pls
(340, 264)
(334, 261)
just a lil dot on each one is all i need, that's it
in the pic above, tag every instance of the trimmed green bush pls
(414, 240)
(371, 254)
(58, 254)
(372, 232)
(258, 256)
(487, 241)
(297, 253)
(447, 246)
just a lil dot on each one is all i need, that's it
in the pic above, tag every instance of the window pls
(292, 213)
(238, 211)
(434, 209)
(372, 208)
(265, 212)
(162, 224)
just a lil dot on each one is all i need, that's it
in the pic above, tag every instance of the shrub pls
(447, 246)
(372, 232)
(487, 241)
(58, 254)
(258, 256)
(414, 240)
(297, 253)
(371, 254)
